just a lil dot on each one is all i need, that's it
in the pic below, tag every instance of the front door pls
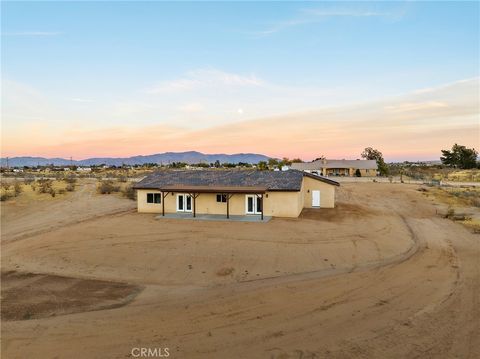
(253, 204)
(184, 202)
(315, 198)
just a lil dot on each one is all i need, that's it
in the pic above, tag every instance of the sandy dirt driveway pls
(381, 276)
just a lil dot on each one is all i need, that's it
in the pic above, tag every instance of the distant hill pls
(159, 158)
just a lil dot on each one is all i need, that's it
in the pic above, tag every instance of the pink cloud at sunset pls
(414, 126)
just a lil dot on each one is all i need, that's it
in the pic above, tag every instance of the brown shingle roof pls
(270, 180)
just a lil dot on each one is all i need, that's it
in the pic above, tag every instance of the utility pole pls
(7, 163)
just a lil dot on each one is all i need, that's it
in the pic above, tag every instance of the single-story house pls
(234, 192)
(349, 168)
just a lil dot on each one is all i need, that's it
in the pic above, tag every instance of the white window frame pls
(185, 195)
(255, 199)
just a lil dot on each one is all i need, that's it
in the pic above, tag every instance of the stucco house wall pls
(327, 193)
(276, 203)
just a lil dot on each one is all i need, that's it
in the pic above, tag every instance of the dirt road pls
(381, 276)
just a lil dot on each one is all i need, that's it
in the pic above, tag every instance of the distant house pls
(351, 168)
(84, 169)
(234, 192)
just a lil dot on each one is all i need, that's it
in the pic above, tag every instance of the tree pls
(272, 162)
(262, 165)
(460, 157)
(370, 153)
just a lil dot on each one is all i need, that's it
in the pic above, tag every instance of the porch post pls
(194, 206)
(228, 205)
(163, 204)
(228, 195)
(261, 199)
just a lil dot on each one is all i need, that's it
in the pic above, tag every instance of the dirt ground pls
(380, 276)
(27, 295)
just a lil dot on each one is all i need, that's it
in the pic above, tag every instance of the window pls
(222, 198)
(154, 198)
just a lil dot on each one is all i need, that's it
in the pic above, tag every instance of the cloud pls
(32, 33)
(413, 126)
(415, 106)
(77, 99)
(316, 15)
(192, 107)
(205, 78)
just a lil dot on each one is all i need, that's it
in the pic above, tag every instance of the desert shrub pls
(71, 179)
(107, 187)
(17, 188)
(34, 186)
(45, 185)
(70, 187)
(52, 192)
(61, 191)
(6, 186)
(476, 202)
(122, 178)
(450, 213)
(29, 180)
(5, 196)
(130, 192)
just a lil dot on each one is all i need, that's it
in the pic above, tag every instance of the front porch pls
(215, 217)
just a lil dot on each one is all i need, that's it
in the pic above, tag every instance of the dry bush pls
(17, 188)
(450, 213)
(61, 191)
(6, 186)
(29, 180)
(70, 187)
(107, 187)
(130, 192)
(45, 186)
(52, 192)
(5, 196)
(71, 179)
(122, 178)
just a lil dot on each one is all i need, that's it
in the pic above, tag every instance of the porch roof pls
(213, 189)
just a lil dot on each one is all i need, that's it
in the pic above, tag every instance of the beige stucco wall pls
(279, 204)
(283, 204)
(276, 203)
(327, 193)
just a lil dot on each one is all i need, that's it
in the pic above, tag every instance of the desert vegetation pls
(31, 188)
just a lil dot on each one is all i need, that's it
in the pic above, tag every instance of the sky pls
(286, 79)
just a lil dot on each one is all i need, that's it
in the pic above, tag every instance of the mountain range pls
(159, 158)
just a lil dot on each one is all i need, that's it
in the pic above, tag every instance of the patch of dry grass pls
(473, 224)
(31, 192)
(455, 197)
